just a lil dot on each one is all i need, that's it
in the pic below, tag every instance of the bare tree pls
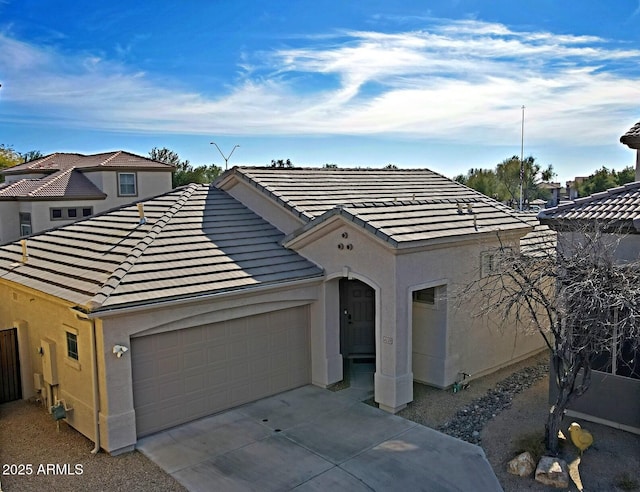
(578, 296)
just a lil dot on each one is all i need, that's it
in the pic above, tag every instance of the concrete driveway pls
(311, 439)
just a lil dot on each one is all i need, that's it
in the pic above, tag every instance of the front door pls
(357, 319)
(10, 387)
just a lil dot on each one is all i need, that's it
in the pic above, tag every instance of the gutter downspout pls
(94, 380)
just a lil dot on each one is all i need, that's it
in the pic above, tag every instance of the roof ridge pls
(115, 279)
(408, 201)
(60, 173)
(113, 156)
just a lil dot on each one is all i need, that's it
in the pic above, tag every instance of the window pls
(25, 224)
(72, 346)
(69, 213)
(621, 360)
(426, 296)
(127, 184)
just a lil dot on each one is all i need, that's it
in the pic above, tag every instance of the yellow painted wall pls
(38, 317)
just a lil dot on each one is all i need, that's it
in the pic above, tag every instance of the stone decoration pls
(522, 465)
(553, 471)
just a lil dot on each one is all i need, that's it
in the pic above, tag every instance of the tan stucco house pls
(61, 188)
(267, 280)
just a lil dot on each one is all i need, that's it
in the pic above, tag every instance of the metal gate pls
(10, 387)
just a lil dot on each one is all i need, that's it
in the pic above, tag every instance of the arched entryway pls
(357, 331)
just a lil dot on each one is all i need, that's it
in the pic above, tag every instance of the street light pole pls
(226, 159)
(521, 160)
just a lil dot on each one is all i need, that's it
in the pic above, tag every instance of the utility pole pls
(226, 159)
(521, 159)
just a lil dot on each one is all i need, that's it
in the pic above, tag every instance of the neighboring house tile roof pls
(617, 207)
(68, 184)
(108, 160)
(539, 242)
(632, 137)
(396, 205)
(197, 240)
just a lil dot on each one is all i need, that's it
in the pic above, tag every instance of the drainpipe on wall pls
(94, 380)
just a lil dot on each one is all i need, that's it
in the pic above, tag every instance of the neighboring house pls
(618, 209)
(554, 193)
(61, 188)
(572, 187)
(268, 280)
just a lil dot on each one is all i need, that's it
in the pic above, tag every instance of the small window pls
(86, 212)
(72, 213)
(72, 346)
(56, 213)
(426, 296)
(25, 223)
(127, 184)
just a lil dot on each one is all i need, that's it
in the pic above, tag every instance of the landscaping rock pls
(468, 422)
(522, 465)
(553, 471)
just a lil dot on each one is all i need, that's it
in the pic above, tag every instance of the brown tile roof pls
(197, 240)
(617, 207)
(108, 160)
(68, 184)
(398, 205)
(632, 137)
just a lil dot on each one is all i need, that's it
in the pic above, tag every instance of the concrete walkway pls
(311, 439)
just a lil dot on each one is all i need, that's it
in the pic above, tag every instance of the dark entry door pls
(357, 309)
(10, 387)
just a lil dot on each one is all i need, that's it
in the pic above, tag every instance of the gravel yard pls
(28, 436)
(498, 409)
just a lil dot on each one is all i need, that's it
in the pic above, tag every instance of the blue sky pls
(437, 84)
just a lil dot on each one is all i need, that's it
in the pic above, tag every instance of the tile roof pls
(539, 242)
(108, 160)
(422, 220)
(616, 206)
(197, 240)
(68, 184)
(632, 137)
(397, 205)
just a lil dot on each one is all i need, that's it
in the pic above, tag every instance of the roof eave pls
(94, 310)
(631, 141)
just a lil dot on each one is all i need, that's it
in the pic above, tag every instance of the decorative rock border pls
(468, 422)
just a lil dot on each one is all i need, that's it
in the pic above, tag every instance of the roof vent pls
(143, 220)
(460, 208)
(470, 208)
(25, 253)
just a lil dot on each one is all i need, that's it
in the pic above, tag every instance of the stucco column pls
(326, 360)
(393, 378)
(117, 414)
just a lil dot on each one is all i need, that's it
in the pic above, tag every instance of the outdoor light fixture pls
(119, 350)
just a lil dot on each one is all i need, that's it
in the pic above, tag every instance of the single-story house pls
(617, 209)
(208, 297)
(61, 188)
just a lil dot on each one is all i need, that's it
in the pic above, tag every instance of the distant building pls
(61, 188)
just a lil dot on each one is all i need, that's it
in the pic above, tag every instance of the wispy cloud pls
(451, 80)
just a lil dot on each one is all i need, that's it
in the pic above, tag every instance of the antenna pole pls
(522, 159)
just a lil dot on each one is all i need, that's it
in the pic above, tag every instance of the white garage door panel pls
(187, 374)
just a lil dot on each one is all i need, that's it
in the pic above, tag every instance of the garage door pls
(183, 375)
